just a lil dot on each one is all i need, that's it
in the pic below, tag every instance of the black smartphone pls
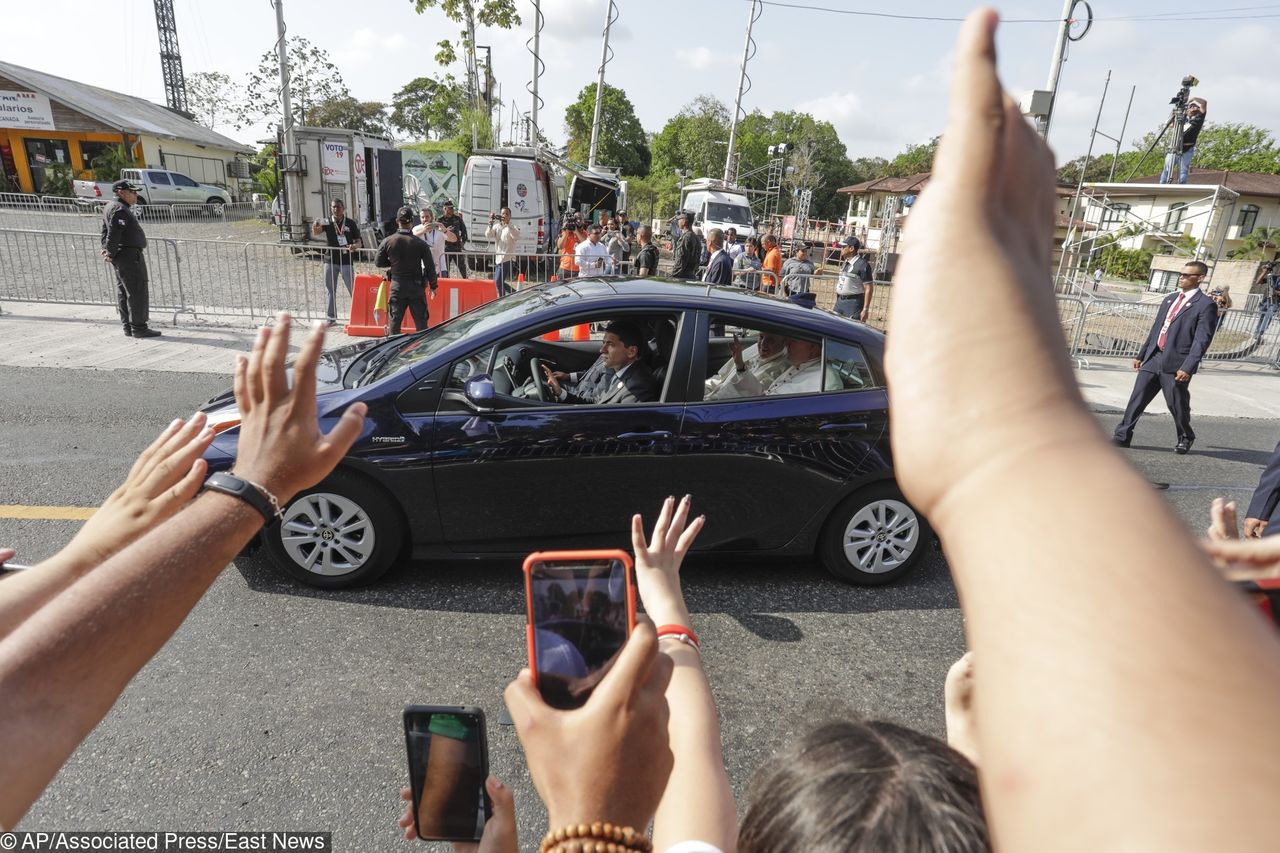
(448, 764)
(581, 610)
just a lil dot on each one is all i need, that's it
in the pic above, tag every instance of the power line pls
(1153, 18)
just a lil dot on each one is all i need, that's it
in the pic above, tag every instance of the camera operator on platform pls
(1192, 122)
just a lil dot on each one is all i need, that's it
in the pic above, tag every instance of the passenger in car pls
(629, 380)
(805, 373)
(764, 361)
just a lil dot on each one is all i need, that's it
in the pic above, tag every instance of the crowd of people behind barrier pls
(1118, 693)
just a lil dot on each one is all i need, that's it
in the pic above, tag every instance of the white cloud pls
(835, 108)
(366, 44)
(697, 59)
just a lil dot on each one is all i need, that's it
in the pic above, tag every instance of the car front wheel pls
(873, 537)
(343, 532)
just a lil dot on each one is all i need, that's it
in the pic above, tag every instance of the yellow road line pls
(47, 513)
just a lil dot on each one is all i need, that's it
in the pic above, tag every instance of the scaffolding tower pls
(175, 85)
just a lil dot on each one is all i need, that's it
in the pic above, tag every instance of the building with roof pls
(47, 120)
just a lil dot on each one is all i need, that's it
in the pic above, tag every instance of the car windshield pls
(732, 213)
(468, 325)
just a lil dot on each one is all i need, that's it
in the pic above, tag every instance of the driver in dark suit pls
(626, 378)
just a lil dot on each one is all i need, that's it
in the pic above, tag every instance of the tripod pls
(1174, 149)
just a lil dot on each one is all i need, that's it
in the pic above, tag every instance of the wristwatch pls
(252, 494)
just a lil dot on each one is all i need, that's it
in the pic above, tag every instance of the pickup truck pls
(158, 187)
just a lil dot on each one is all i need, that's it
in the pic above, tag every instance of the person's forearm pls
(26, 592)
(697, 804)
(1054, 593)
(63, 668)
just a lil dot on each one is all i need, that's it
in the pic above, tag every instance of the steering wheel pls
(540, 381)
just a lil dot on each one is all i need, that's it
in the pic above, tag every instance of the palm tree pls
(1259, 245)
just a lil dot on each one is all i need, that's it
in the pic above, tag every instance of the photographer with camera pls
(1269, 276)
(1192, 120)
(504, 234)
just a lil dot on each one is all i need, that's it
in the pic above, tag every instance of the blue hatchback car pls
(469, 451)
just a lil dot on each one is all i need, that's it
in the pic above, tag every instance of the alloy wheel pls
(881, 536)
(327, 534)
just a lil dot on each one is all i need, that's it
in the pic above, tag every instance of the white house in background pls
(1212, 206)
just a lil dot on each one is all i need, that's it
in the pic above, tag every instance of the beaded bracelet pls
(595, 837)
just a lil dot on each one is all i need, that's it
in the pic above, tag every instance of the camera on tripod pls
(1180, 100)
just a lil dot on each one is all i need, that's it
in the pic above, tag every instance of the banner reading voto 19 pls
(26, 110)
(335, 162)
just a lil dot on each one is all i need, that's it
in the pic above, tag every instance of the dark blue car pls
(468, 453)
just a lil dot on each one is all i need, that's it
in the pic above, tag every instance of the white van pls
(715, 204)
(516, 178)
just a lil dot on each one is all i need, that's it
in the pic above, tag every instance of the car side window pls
(158, 178)
(184, 181)
(778, 361)
(848, 369)
(465, 368)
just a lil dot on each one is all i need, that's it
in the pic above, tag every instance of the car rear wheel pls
(873, 537)
(343, 532)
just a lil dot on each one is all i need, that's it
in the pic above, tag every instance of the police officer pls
(455, 236)
(122, 245)
(411, 267)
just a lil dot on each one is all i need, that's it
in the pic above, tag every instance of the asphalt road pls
(277, 707)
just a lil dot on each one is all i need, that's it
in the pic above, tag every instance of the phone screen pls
(581, 613)
(448, 763)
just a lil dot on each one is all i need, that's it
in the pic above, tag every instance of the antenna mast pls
(175, 85)
(610, 15)
(744, 86)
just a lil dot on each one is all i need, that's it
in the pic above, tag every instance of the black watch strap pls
(230, 484)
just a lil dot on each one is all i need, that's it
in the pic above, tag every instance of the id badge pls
(342, 238)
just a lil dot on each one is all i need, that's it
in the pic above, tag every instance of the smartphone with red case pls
(581, 609)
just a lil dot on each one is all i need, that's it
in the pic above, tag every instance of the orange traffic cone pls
(582, 332)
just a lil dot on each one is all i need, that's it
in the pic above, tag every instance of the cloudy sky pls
(880, 80)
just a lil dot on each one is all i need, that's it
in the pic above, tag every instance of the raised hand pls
(499, 834)
(162, 480)
(658, 561)
(281, 447)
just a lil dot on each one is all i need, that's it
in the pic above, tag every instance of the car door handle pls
(644, 436)
(842, 427)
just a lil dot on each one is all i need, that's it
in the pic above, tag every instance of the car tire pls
(343, 532)
(215, 204)
(873, 537)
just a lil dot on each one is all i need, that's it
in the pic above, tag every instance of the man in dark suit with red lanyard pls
(1177, 341)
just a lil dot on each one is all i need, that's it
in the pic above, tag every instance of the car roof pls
(659, 291)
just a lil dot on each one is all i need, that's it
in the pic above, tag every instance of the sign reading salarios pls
(26, 110)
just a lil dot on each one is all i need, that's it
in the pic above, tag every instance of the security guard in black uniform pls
(122, 245)
(411, 266)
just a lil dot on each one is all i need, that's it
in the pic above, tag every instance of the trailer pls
(363, 170)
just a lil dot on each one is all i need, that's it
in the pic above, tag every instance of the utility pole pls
(747, 53)
(1055, 66)
(610, 15)
(292, 207)
(537, 71)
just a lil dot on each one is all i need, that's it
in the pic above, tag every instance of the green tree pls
(470, 14)
(818, 160)
(425, 107)
(1235, 147)
(688, 141)
(473, 121)
(262, 169)
(642, 198)
(313, 78)
(347, 112)
(213, 97)
(622, 140)
(1260, 244)
(913, 160)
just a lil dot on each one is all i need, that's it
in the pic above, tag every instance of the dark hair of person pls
(628, 333)
(1199, 265)
(872, 787)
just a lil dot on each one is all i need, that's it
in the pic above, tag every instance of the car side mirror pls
(480, 392)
